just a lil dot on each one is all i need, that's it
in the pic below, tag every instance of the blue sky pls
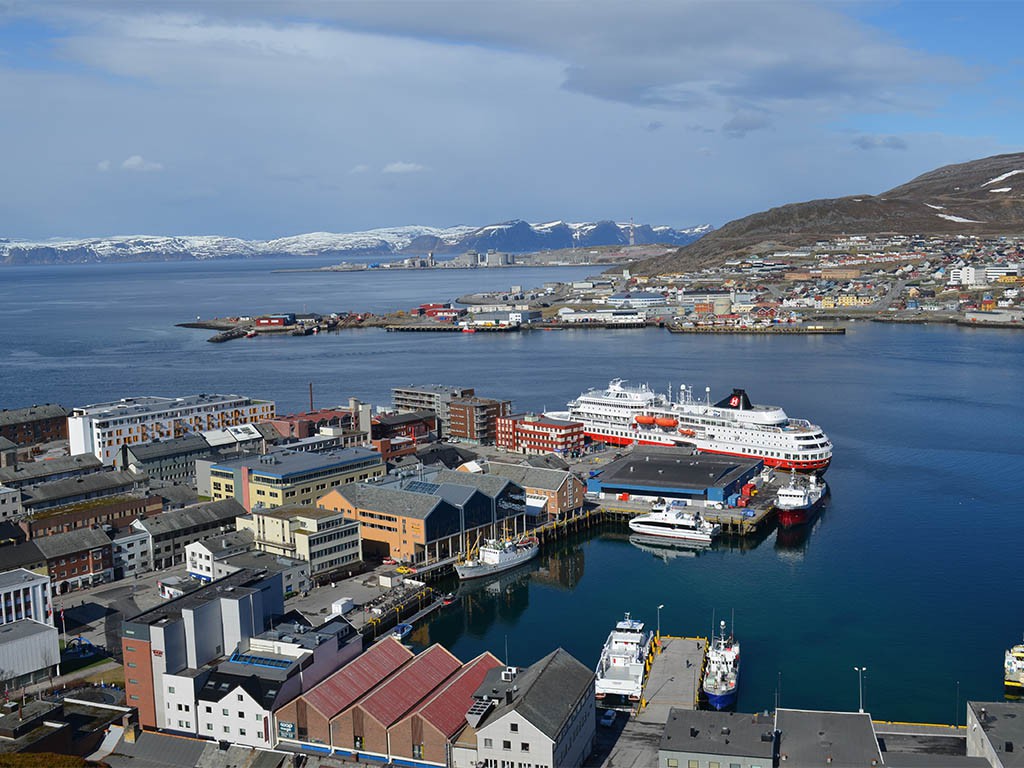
(262, 119)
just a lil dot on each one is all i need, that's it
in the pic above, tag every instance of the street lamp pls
(860, 685)
(659, 622)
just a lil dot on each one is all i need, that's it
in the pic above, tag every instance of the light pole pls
(659, 623)
(860, 685)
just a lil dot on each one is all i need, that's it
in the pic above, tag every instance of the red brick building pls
(416, 425)
(475, 418)
(308, 424)
(76, 559)
(35, 424)
(534, 435)
(115, 512)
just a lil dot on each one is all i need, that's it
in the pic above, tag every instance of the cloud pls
(402, 167)
(361, 168)
(103, 166)
(879, 142)
(139, 163)
(741, 124)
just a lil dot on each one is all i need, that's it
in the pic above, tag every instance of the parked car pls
(608, 718)
(389, 561)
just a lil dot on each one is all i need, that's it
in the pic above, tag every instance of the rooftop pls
(396, 419)
(31, 413)
(19, 578)
(417, 679)
(718, 733)
(491, 485)
(69, 487)
(69, 542)
(37, 470)
(255, 559)
(447, 709)
(16, 630)
(667, 468)
(1003, 724)
(284, 464)
(160, 449)
(547, 421)
(529, 477)
(845, 739)
(342, 689)
(395, 501)
(236, 584)
(288, 511)
(136, 406)
(169, 523)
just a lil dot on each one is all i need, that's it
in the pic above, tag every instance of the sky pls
(260, 119)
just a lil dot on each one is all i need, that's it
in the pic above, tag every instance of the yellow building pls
(322, 537)
(290, 477)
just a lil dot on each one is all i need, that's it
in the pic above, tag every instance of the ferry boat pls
(675, 522)
(636, 415)
(622, 668)
(1013, 671)
(495, 556)
(721, 680)
(796, 503)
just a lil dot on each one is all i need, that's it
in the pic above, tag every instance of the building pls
(219, 556)
(415, 425)
(473, 418)
(323, 538)
(25, 595)
(29, 653)
(77, 559)
(551, 494)
(10, 504)
(168, 534)
(287, 477)
(637, 300)
(114, 512)
(694, 737)
(35, 424)
(807, 737)
(24, 474)
(101, 429)
(433, 518)
(166, 460)
(541, 715)
(356, 417)
(534, 435)
(237, 701)
(166, 649)
(672, 473)
(995, 732)
(72, 490)
(435, 398)
(201, 555)
(131, 552)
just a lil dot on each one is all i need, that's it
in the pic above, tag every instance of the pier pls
(766, 330)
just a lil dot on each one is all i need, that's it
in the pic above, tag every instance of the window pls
(129, 649)
(241, 731)
(241, 715)
(133, 682)
(259, 717)
(170, 689)
(488, 743)
(714, 764)
(358, 742)
(692, 764)
(240, 697)
(132, 664)
(525, 746)
(209, 710)
(506, 745)
(224, 712)
(417, 751)
(209, 726)
(514, 727)
(133, 697)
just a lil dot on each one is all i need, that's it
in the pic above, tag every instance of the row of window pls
(672, 762)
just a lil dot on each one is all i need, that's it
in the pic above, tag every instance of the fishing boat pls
(448, 599)
(497, 555)
(796, 503)
(721, 680)
(1013, 671)
(622, 668)
(676, 522)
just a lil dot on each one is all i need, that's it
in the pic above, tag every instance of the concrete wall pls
(246, 721)
(203, 624)
(490, 739)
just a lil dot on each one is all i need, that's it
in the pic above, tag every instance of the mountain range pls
(981, 197)
(515, 236)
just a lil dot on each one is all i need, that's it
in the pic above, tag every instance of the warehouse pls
(673, 473)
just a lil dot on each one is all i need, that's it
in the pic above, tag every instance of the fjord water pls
(913, 570)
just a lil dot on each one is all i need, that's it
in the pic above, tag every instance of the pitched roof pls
(37, 470)
(179, 446)
(410, 684)
(529, 477)
(263, 690)
(32, 413)
(6, 445)
(66, 543)
(548, 691)
(446, 711)
(206, 514)
(391, 500)
(97, 482)
(350, 683)
(492, 485)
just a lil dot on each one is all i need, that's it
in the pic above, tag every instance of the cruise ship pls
(622, 414)
(622, 668)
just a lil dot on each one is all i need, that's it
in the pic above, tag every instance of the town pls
(204, 568)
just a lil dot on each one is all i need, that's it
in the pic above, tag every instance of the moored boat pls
(722, 675)
(1013, 671)
(676, 522)
(796, 503)
(495, 556)
(401, 631)
(622, 668)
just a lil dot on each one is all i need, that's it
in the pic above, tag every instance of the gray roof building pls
(82, 488)
(29, 473)
(78, 540)
(528, 477)
(838, 739)
(995, 731)
(705, 736)
(365, 496)
(10, 416)
(198, 518)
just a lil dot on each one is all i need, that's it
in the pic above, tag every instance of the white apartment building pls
(131, 553)
(101, 429)
(25, 595)
(323, 538)
(10, 504)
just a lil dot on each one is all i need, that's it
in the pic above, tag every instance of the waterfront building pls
(310, 423)
(165, 649)
(324, 538)
(541, 715)
(995, 732)
(288, 477)
(473, 418)
(113, 512)
(533, 435)
(25, 595)
(651, 473)
(102, 428)
(72, 490)
(637, 300)
(77, 559)
(696, 737)
(168, 534)
(35, 424)
(551, 494)
(22, 474)
(435, 398)
(811, 737)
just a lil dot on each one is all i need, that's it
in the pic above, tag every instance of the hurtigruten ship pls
(625, 415)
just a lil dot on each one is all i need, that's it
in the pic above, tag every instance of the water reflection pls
(791, 543)
(667, 549)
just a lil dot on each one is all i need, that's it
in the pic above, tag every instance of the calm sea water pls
(913, 570)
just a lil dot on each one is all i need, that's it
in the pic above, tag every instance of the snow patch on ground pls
(1001, 189)
(958, 219)
(936, 207)
(1006, 175)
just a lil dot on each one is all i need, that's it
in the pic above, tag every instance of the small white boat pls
(676, 522)
(401, 631)
(495, 556)
(622, 668)
(1013, 671)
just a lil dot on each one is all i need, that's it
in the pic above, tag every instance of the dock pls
(761, 330)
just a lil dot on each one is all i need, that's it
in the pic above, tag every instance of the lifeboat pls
(687, 432)
(645, 420)
(666, 422)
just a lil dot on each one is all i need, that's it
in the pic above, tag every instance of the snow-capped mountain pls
(511, 237)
